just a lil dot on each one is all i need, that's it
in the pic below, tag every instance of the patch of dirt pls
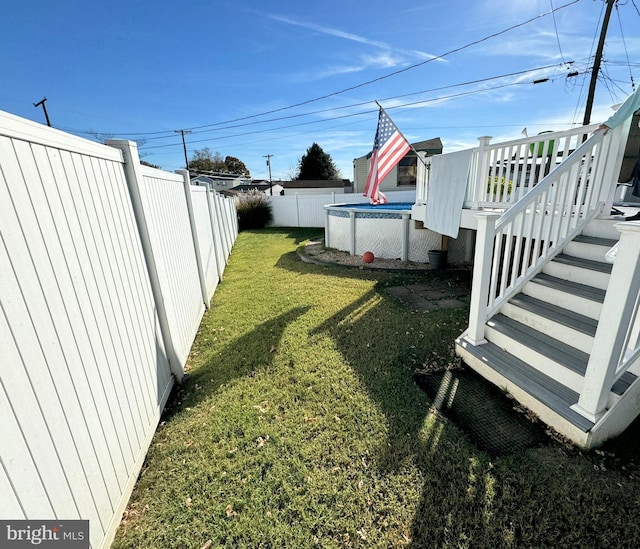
(446, 289)
(315, 252)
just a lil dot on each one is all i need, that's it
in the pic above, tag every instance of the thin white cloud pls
(350, 36)
(330, 31)
(384, 60)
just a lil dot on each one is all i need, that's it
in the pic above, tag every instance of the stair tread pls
(546, 390)
(595, 240)
(554, 349)
(582, 323)
(568, 286)
(590, 264)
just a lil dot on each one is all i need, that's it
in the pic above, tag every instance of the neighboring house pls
(553, 316)
(260, 185)
(218, 182)
(404, 175)
(299, 186)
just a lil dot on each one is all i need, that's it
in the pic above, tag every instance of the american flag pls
(389, 147)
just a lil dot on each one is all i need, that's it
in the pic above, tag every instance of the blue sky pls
(143, 69)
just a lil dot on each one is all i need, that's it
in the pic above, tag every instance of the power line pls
(555, 26)
(360, 104)
(593, 41)
(368, 82)
(624, 43)
(394, 73)
(414, 104)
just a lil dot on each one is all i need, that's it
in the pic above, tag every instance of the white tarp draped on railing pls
(448, 180)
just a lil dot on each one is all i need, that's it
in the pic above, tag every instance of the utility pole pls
(44, 108)
(268, 157)
(596, 63)
(184, 146)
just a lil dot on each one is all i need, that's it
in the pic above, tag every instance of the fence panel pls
(83, 371)
(165, 209)
(307, 210)
(206, 243)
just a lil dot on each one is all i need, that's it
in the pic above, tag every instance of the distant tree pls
(235, 165)
(317, 164)
(145, 163)
(204, 161)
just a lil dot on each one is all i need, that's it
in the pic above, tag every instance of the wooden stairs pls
(538, 345)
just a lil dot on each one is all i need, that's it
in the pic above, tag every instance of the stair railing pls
(502, 173)
(616, 344)
(513, 247)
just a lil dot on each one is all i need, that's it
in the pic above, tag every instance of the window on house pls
(408, 170)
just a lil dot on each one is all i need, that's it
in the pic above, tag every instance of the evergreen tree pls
(317, 164)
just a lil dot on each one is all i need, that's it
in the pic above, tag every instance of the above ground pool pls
(386, 230)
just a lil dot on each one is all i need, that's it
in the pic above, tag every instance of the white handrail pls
(534, 229)
(504, 172)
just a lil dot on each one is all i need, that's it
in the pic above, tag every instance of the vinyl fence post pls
(194, 234)
(133, 175)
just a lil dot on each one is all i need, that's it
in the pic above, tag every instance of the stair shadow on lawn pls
(482, 411)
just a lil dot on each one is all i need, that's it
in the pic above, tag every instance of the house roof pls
(429, 146)
(244, 187)
(315, 183)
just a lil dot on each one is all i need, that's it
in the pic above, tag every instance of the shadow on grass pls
(538, 493)
(454, 474)
(297, 234)
(416, 435)
(246, 355)
(384, 278)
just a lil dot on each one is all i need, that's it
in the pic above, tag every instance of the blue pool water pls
(377, 207)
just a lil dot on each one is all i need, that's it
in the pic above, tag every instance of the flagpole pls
(410, 145)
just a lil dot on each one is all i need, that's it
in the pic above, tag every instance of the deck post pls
(483, 258)
(614, 140)
(481, 178)
(617, 316)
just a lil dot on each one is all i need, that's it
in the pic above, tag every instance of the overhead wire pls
(591, 55)
(362, 84)
(413, 104)
(369, 102)
(555, 26)
(624, 43)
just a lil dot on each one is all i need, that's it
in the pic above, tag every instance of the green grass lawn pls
(301, 426)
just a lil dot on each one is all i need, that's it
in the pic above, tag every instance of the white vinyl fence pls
(105, 271)
(307, 210)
